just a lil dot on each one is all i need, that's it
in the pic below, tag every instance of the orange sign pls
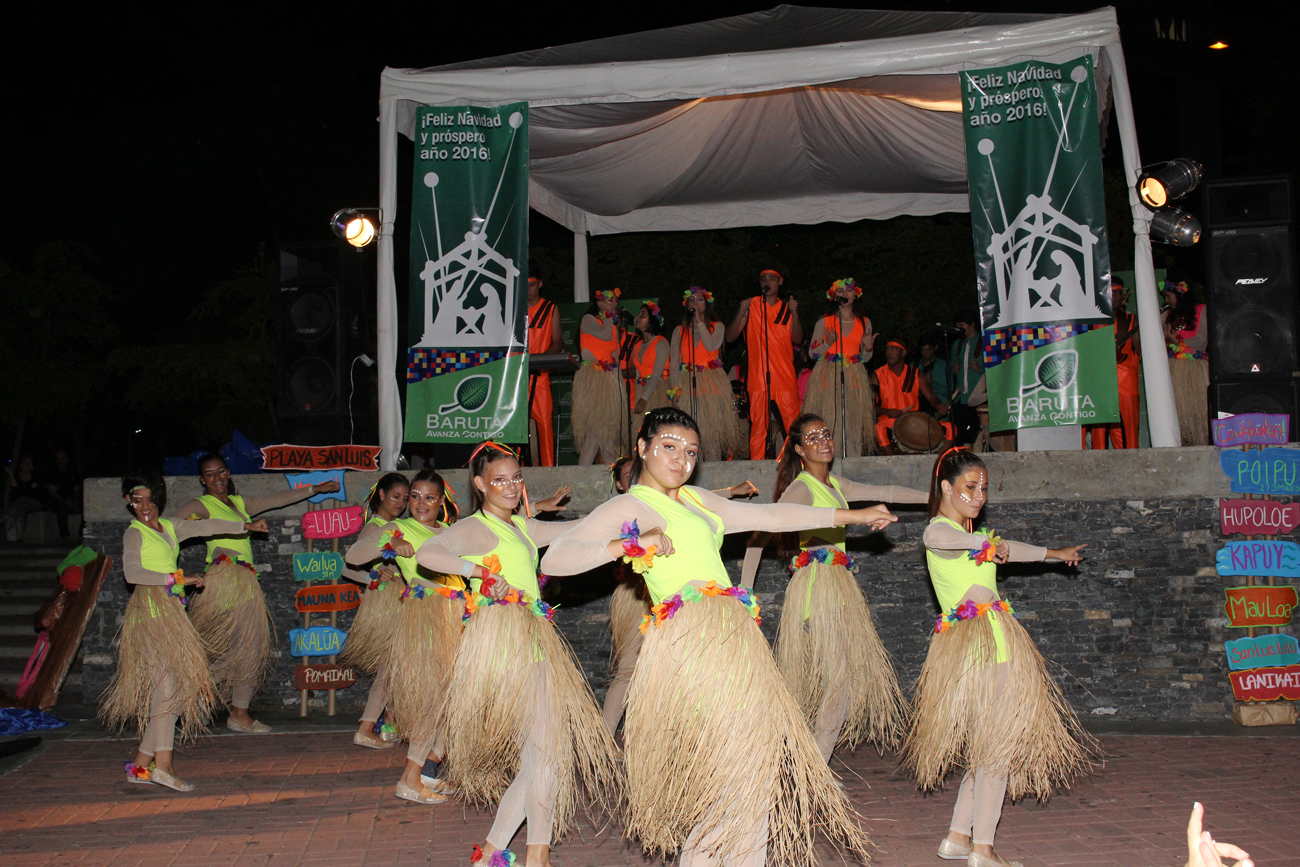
(1259, 606)
(328, 597)
(286, 457)
(324, 676)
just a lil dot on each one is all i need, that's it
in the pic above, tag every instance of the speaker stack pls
(320, 330)
(1251, 297)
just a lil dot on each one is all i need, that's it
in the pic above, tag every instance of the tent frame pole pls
(581, 283)
(390, 401)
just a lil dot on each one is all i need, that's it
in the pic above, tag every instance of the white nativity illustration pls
(472, 267)
(1026, 291)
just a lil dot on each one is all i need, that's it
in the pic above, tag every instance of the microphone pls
(950, 329)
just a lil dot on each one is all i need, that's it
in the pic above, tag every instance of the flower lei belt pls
(226, 558)
(715, 364)
(969, 610)
(848, 359)
(829, 555)
(603, 365)
(176, 587)
(1180, 350)
(666, 610)
(985, 552)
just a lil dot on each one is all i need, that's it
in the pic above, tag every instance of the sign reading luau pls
(1038, 217)
(332, 523)
(467, 363)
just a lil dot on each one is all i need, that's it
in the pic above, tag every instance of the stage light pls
(1175, 226)
(351, 226)
(1219, 46)
(1163, 183)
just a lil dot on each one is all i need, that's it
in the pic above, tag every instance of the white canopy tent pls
(794, 115)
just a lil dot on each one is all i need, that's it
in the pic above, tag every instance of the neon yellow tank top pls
(695, 544)
(155, 554)
(241, 544)
(952, 578)
(518, 559)
(412, 572)
(824, 498)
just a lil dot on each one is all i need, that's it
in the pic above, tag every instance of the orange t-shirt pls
(843, 344)
(700, 357)
(892, 395)
(779, 350)
(539, 326)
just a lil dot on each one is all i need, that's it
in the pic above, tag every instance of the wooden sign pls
(286, 457)
(1250, 428)
(1258, 517)
(328, 597)
(1278, 559)
(1266, 684)
(324, 676)
(318, 566)
(320, 477)
(316, 641)
(1272, 471)
(332, 523)
(1262, 651)
(1259, 606)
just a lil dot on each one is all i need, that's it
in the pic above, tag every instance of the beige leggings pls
(753, 849)
(532, 795)
(616, 697)
(830, 717)
(378, 697)
(160, 732)
(419, 752)
(979, 799)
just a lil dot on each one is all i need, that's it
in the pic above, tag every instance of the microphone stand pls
(691, 337)
(844, 411)
(627, 363)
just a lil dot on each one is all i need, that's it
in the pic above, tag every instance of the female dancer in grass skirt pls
(370, 638)
(1187, 336)
(650, 356)
(706, 670)
(599, 397)
(231, 614)
(162, 669)
(523, 725)
(827, 647)
(842, 340)
(700, 386)
(984, 700)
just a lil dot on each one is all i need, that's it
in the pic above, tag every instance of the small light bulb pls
(1219, 46)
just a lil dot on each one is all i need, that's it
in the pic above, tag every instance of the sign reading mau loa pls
(1259, 606)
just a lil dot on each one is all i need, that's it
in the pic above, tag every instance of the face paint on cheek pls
(965, 497)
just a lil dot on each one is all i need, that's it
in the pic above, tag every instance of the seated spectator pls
(63, 486)
(23, 495)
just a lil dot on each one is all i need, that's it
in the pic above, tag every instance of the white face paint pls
(672, 457)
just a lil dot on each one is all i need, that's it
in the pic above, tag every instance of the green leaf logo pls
(1055, 372)
(471, 394)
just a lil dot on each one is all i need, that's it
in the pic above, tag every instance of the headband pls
(898, 344)
(612, 294)
(510, 453)
(686, 296)
(846, 283)
(939, 463)
(534, 280)
(1179, 287)
(370, 495)
(655, 312)
(138, 488)
(770, 271)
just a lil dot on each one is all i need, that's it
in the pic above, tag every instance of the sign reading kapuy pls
(467, 367)
(1038, 216)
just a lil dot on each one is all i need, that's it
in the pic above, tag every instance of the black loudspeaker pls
(1251, 292)
(1270, 394)
(320, 330)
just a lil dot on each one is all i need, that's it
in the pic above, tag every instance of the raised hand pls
(192, 580)
(1202, 851)
(330, 487)
(744, 489)
(402, 548)
(659, 539)
(552, 503)
(258, 526)
(1070, 556)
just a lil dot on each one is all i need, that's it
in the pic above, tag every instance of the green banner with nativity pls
(1033, 158)
(467, 371)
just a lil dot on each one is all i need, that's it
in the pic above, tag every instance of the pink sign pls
(331, 523)
(1251, 428)
(1258, 517)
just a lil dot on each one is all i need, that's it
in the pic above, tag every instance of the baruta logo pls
(471, 393)
(1251, 281)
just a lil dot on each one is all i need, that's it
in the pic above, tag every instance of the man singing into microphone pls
(772, 330)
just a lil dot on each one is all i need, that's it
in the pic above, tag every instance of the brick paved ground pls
(314, 799)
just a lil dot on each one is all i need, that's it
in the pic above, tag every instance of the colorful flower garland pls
(641, 559)
(655, 312)
(667, 609)
(987, 549)
(686, 296)
(834, 357)
(226, 558)
(603, 365)
(176, 587)
(377, 579)
(609, 294)
(715, 364)
(140, 773)
(674, 392)
(1180, 350)
(846, 283)
(969, 610)
(827, 554)
(499, 858)
(386, 543)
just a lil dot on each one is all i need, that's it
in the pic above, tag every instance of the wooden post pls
(306, 624)
(334, 621)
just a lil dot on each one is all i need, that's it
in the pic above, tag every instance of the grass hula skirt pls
(823, 398)
(425, 639)
(509, 656)
(715, 412)
(599, 411)
(230, 614)
(370, 639)
(1028, 733)
(628, 606)
(157, 639)
(1191, 381)
(836, 652)
(704, 673)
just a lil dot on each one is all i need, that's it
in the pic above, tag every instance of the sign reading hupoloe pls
(1262, 651)
(328, 597)
(287, 457)
(332, 523)
(317, 566)
(324, 676)
(1279, 559)
(1267, 684)
(1258, 517)
(316, 641)
(1272, 471)
(1259, 606)
(1251, 428)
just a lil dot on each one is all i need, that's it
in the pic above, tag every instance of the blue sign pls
(319, 477)
(316, 641)
(1272, 471)
(1281, 559)
(317, 566)
(1262, 651)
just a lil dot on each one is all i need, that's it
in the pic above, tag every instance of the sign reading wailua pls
(467, 365)
(1261, 558)
(316, 641)
(1251, 428)
(1038, 216)
(1258, 517)
(317, 566)
(1272, 471)
(1261, 651)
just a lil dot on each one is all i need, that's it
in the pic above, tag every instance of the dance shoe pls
(372, 742)
(410, 793)
(253, 728)
(175, 783)
(975, 859)
(950, 851)
(441, 788)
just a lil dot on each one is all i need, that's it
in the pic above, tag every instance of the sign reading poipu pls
(332, 523)
(316, 641)
(1279, 559)
(1258, 517)
(1266, 684)
(351, 457)
(1262, 651)
(323, 676)
(1272, 471)
(319, 477)
(317, 566)
(1038, 217)
(1250, 428)
(467, 362)
(1259, 606)
(327, 597)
